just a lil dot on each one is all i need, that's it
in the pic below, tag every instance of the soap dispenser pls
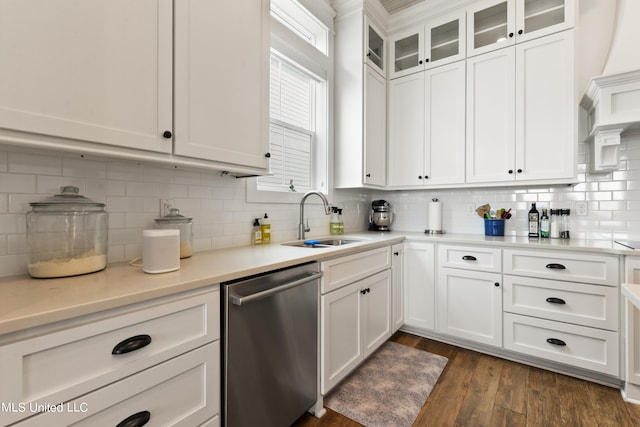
(256, 232)
(265, 228)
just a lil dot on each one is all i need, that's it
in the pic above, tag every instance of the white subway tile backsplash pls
(142, 189)
(17, 183)
(124, 171)
(222, 217)
(84, 168)
(19, 162)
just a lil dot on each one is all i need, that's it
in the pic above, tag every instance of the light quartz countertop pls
(27, 302)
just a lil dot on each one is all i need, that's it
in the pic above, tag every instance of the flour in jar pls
(62, 267)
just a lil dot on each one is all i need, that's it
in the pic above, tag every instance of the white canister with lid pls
(67, 235)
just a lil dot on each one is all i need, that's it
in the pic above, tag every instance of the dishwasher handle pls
(240, 300)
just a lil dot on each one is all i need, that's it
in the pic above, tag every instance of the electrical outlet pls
(165, 205)
(581, 208)
(471, 208)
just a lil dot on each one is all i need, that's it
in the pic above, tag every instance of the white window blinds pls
(291, 128)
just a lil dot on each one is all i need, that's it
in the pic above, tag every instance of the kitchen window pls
(291, 127)
(300, 77)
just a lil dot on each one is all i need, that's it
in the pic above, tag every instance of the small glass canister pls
(66, 235)
(174, 220)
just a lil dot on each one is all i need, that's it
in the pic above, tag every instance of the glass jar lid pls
(173, 217)
(69, 199)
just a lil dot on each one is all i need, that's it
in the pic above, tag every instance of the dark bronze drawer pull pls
(556, 341)
(136, 420)
(554, 300)
(131, 344)
(555, 266)
(469, 258)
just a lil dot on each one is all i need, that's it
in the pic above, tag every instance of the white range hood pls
(612, 100)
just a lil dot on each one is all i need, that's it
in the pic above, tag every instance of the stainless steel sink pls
(322, 243)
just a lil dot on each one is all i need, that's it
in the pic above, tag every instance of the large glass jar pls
(174, 220)
(67, 235)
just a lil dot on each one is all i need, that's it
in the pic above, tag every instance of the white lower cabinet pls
(178, 392)
(356, 319)
(631, 320)
(579, 346)
(563, 307)
(470, 305)
(160, 356)
(397, 287)
(419, 285)
(560, 308)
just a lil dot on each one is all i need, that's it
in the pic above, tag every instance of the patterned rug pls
(389, 388)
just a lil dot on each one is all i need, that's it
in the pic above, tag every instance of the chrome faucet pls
(327, 210)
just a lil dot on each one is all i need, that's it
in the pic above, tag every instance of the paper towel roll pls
(435, 217)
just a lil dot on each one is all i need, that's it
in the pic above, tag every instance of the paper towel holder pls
(435, 224)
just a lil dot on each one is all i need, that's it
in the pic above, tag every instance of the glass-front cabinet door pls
(445, 41)
(407, 52)
(537, 18)
(490, 26)
(374, 47)
(493, 24)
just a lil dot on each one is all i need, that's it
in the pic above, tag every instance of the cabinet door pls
(397, 287)
(491, 117)
(406, 131)
(375, 128)
(375, 47)
(445, 124)
(221, 81)
(470, 305)
(445, 40)
(406, 52)
(632, 327)
(375, 294)
(341, 334)
(535, 18)
(490, 26)
(419, 285)
(88, 71)
(545, 108)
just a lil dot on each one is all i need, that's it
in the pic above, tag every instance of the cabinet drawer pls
(579, 303)
(184, 391)
(598, 269)
(470, 258)
(342, 271)
(588, 348)
(58, 366)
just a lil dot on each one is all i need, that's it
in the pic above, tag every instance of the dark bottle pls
(544, 224)
(534, 221)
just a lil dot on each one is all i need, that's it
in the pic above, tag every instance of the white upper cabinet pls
(87, 71)
(360, 104)
(439, 42)
(375, 47)
(495, 24)
(521, 112)
(375, 128)
(221, 81)
(427, 128)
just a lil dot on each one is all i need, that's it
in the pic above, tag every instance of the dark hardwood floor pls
(481, 390)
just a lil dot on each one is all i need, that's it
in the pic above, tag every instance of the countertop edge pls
(26, 303)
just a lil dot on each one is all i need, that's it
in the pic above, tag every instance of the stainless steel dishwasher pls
(270, 341)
